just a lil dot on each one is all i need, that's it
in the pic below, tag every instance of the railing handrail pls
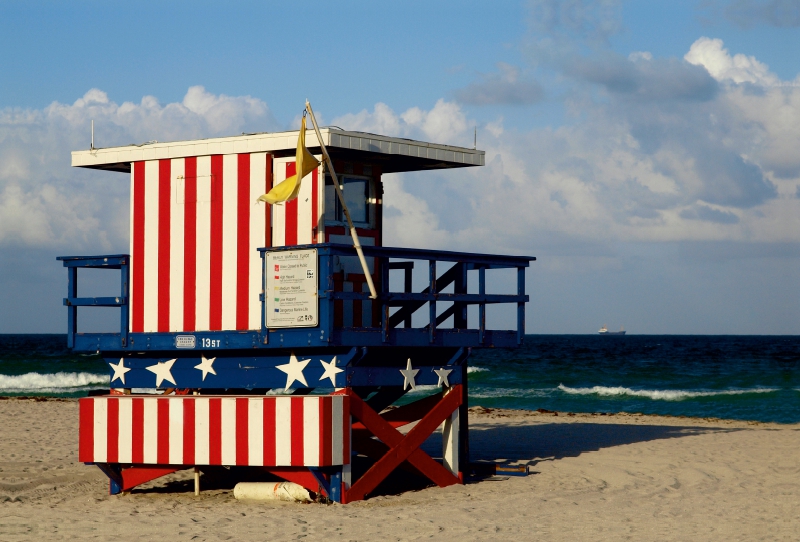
(491, 260)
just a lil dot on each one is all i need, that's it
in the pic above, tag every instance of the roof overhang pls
(392, 153)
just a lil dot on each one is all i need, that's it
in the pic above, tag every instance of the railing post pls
(264, 331)
(432, 302)
(380, 303)
(460, 287)
(520, 304)
(482, 305)
(124, 271)
(407, 274)
(72, 310)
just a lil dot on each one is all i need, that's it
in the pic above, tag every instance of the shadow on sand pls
(553, 441)
(501, 444)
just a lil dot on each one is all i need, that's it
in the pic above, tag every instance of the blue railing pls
(72, 301)
(393, 309)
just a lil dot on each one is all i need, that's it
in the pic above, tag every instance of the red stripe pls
(298, 450)
(112, 454)
(215, 431)
(314, 207)
(268, 208)
(86, 430)
(291, 211)
(243, 243)
(242, 453)
(162, 444)
(325, 430)
(215, 263)
(269, 432)
(345, 430)
(137, 258)
(188, 431)
(137, 430)
(190, 245)
(164, 204)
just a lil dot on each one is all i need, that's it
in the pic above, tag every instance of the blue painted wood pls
(72, 311)
(95, 301)
(391, 376)
(335, 493)
(325, 335)
(232, 371)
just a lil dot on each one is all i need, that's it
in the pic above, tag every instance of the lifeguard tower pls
(251, 330)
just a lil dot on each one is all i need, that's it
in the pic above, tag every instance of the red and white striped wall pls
(300, 221)
(195, 231)
(197, 430)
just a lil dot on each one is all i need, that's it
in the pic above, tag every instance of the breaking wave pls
(658, 395)
(52, 383)
(476, 370)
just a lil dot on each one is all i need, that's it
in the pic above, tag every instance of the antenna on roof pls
(475, 145)
(91, 147)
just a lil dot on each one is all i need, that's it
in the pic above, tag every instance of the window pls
(356, 196)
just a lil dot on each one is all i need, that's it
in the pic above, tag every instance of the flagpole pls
(356, 242)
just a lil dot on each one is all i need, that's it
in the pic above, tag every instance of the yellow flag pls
(305, 163)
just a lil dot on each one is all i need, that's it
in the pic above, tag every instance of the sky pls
(645, 152)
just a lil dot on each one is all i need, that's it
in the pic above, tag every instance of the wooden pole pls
(356, 242)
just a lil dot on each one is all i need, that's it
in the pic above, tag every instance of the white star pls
(206, 365)
(442, 374)
(408, 376)
(119, 370)
(294, 371)
(331, 370)
(162, 371)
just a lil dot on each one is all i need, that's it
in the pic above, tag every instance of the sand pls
(620, 477)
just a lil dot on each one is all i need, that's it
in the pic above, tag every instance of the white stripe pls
(201, 430)
(125, 430)
(258, 213)
(279, 210)
(176, 245)
(283, 431)
(228, 420)
(230, 179)
(203, 242)
(311, 431)
(255, 431)
(100, 454)
(151, 246)
(150, 437)
(176, 431)
(304, 201)
(131, 292)
(337, 444)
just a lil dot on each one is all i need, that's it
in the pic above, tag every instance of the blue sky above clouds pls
(645, 152)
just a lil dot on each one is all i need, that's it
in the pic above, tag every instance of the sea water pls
(734, 377)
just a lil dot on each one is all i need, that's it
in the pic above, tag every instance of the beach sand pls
(594, 477)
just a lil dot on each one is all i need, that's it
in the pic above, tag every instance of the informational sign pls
(291, 290)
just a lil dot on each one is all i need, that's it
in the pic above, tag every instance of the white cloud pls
(712, 55)
(46, 203)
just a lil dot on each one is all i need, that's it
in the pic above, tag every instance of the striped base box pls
(204, 430)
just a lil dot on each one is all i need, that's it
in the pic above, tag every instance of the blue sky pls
(645, 152)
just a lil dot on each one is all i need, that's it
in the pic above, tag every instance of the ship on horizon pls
(604, 331)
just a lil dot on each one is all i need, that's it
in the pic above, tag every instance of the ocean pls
(733, 377)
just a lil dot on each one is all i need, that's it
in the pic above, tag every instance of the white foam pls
(493, 393)
(657, 395)
(52, 383)
(476, 370)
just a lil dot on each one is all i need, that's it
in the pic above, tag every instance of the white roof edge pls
(277, 141)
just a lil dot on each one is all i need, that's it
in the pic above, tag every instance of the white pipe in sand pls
(272, 491)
